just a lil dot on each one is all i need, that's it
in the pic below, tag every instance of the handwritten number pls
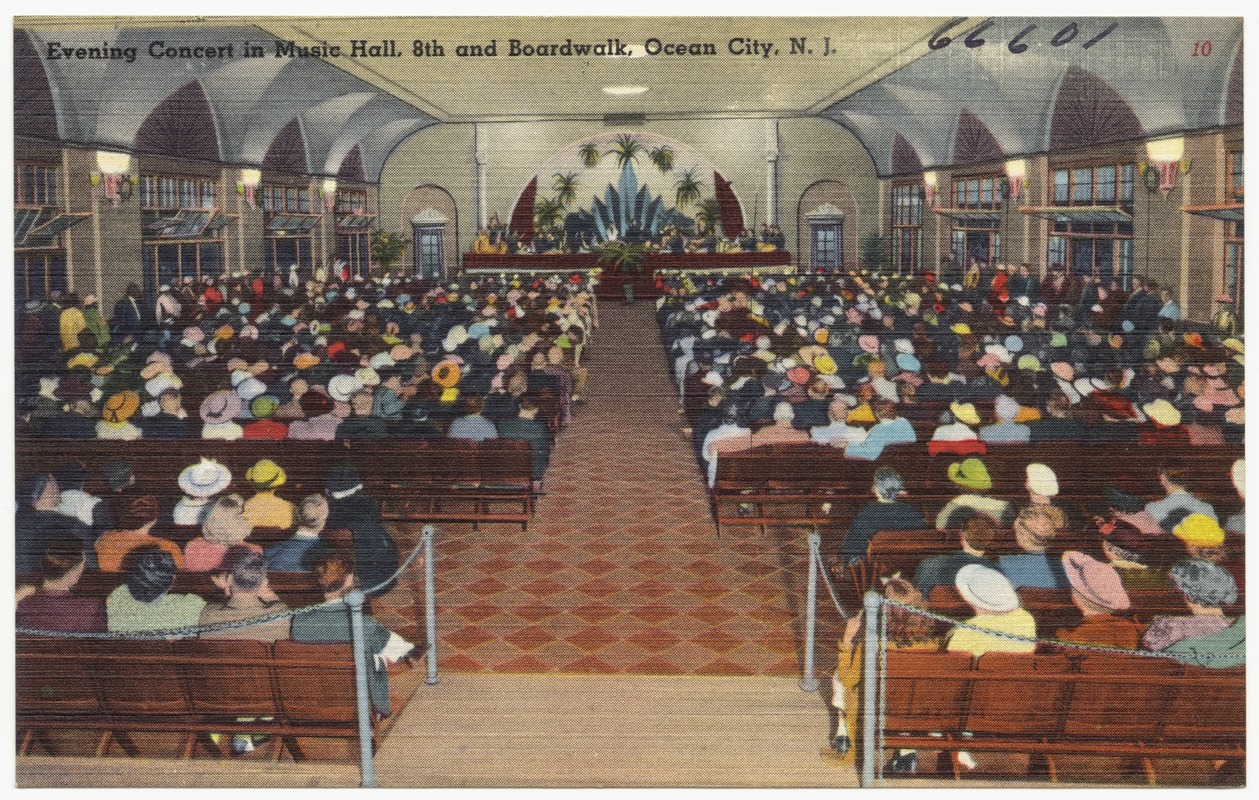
(973, 40)
(1101, 35)
(1016, 45)
(1065, 35)
(938, 41)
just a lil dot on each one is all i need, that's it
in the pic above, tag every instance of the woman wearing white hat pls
(997, 609)
(200, 482)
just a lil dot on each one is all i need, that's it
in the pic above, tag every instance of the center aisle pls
(621, 570)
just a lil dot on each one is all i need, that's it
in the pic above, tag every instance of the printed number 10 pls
(1201, 49)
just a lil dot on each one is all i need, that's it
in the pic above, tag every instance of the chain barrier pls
(874, 670)
(354, 603)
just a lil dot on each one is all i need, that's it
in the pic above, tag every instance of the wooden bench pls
(440, 480)
(812, 485)
(190, 687)
(1064, 704)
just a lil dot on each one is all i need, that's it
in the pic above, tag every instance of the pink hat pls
(1063, 370)
(798, 375)
(504, 361)
(1097, 581)
(989, 361)
(868, 343)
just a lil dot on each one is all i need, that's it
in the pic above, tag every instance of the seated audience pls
(134, 529)
(265, 509)
(1207, 589)
(225, 525)
(997, 609)
(290, 554)
(887, 512)
(971, 474)
(54, 606)
(37, 524)
(1098, 592)
(1034, 529)
(243, 578)
(142, 603)
(975, 537)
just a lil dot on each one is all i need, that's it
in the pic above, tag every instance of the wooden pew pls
(192, 687)
(420, 481)
(1059, 704)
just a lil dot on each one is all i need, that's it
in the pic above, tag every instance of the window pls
(182, 229)
(976, 235)
(1104, 185)
(827, 238)
(353, 230)
(1099, 244)
(289, 232)
(907, 228)
(39, 254)
(1236, 185)
(429, 251)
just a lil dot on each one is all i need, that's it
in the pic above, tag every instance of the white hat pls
(205, 479)
(342, 387)
(713, 378)
(1042, 480)
(986, 589)
(161, 383)
(380, 360)
(1239, 477)
(250, 388)
(904, 346)
(367, 377)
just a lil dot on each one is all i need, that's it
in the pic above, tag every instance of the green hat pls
(970, 474)
(1030, 363)
(1058, 340)
(263, 406)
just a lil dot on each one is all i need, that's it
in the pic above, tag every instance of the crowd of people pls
(338, 536)
(244, 358)
(862, 362)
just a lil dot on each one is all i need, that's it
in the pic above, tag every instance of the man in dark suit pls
(526, 426)
(129, 314)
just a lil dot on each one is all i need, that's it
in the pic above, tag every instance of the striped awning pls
(1229, 212)
(1085, 214)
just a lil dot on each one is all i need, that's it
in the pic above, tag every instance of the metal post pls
(367, 759)
(430, 607)
(809, 682)
(870, 755)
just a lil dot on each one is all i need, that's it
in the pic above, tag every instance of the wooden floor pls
(542, 730)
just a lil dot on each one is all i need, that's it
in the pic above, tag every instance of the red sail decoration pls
(522, 217)
(731, 211)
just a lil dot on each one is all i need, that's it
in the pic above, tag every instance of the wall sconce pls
(329, 190)
(929, 182)
(113, 173)
(1167, 161)
(248, 184)
(1016, 171)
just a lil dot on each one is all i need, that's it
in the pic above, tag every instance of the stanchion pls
(809, 682)
(358, 642)
(870, 755)
(430, 607)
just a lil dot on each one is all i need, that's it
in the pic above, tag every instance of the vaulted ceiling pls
(905, 100)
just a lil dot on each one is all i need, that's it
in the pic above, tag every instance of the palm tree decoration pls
(626, 149)
(708, 214)
(565, 187)
(625, 258)
(662, 157)
(547, 213)
(688, 189)
(590, 155)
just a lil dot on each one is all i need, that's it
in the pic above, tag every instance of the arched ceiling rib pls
(103, 102)
(1149, 63)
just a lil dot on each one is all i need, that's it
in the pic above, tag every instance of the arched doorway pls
(430, 214)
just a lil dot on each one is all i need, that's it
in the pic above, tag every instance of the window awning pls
(1085, 214)
(219, 222)
(292, 223)
(355, 221)
(974, 216)
(1229, 212)
(38, 227)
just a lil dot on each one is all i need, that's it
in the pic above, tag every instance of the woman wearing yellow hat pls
(265, 509)
(115, 422)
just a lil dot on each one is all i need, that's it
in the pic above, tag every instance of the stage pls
(654, 264)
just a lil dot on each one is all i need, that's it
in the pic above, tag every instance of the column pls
(771, 171)
(479, 148)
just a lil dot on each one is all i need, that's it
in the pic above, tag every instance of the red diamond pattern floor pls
(621, 570)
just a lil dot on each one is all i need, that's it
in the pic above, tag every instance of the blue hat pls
(1014, 343)
(908, 363)
(1127, 326)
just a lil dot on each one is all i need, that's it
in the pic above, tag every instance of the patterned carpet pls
(621, 570)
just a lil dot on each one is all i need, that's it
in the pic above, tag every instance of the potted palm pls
(387, 248)
(626, 259)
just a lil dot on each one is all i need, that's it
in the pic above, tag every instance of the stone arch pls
(432, 204)
(34, 109)
(1088, 111)
(181, 126)
(288, 152)
(905, 160)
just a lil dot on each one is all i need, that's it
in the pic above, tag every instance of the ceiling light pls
(621, 91)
